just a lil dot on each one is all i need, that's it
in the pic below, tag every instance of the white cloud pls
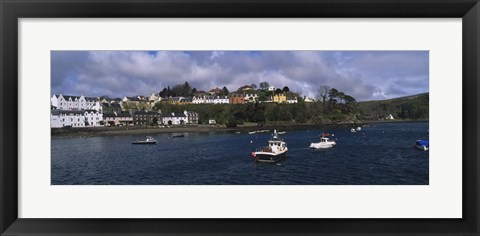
(364, 75)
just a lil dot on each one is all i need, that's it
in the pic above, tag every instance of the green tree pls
(264, 85)
(186, 90)
(322, 93)
(224, 91)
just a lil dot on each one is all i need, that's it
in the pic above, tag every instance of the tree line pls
(334, 106)
(331, 105)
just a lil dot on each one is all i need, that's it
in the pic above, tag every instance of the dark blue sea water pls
(381, 154)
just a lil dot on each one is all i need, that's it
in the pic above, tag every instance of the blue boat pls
(422, 145)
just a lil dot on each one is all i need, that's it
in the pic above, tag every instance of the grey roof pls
(108, 115)
(134, 99)
(185, 99)
(68, 97)
(124, 115)
(113, 105)
(58, 112)
(175, 115)
(118, 115)
(217, 97)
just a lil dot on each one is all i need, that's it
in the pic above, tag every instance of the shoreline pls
(146, 130)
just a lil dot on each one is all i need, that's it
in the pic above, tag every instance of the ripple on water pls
(380, 155)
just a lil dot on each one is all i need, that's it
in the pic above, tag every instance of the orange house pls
(237, 99)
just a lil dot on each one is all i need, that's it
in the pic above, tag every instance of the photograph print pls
(239, 117)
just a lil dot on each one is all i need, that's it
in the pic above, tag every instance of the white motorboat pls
(275, 151)
(148, 140)
(324, 142)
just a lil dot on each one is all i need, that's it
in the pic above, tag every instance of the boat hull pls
(144, 142)
(264, 157)
(421, 147)
(320, 145)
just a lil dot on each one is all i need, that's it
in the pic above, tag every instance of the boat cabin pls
(276, 144)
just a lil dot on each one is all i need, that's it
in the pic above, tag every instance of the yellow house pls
(280, 98)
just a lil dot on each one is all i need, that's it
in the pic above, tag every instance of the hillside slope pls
(413, 107)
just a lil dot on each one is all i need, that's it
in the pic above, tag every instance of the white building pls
(75, 118)
(251, 97)
(209, 99)
(307, 99)
(390, 117)
(192, 117)
(292, 100)
(212, 122)
(67, 118)
(199, 99)
(174, 119)
(221, 100)
(63, 102)
(217, 100)
(93, 118)
(271, 88)
(154, 98)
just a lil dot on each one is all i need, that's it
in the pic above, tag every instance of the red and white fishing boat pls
(275, 151)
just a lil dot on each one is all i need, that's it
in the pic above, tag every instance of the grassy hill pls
(413, 107)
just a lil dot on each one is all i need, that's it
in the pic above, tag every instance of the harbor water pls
(381, 154)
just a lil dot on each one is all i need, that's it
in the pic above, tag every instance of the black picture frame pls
(11, 11)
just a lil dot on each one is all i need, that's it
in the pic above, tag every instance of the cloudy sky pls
(365, 75)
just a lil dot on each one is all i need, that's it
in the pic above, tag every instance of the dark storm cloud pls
(365, 75)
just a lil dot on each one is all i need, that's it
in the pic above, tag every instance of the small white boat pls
(252, 132)
(263, 131)
(148, 140)
(359, 128)
(324, 142)
(275, 151)
(282, 132)
(353, 130)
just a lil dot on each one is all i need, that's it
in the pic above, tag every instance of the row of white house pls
(210, 100)
(64, 102)
(75, 111)
(220, 99)
(75, 118)
(92, 118)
